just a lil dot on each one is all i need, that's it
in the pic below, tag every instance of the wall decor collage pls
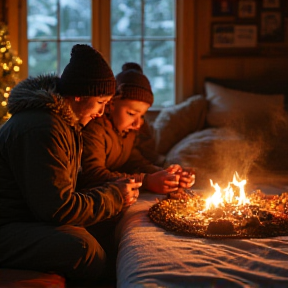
(251, 22)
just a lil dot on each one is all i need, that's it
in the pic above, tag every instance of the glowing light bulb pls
(18, 61)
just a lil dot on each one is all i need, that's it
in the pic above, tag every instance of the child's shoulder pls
(98, 123)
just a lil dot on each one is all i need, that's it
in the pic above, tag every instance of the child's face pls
(128, 114)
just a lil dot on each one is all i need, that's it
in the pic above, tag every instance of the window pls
(143, 31)
(54, 26)
(46, 47)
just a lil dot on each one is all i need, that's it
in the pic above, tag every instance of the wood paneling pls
(272, 66)
(3, 12)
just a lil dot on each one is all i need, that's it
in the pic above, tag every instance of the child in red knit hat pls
(109, 142)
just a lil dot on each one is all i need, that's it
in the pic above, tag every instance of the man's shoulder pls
(34, 119)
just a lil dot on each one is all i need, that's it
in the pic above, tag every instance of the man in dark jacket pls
(43, 221)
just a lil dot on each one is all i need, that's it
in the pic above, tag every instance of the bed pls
(150, 256)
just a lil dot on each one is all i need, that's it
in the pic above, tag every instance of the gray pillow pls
(215, 153)
(174, 123)
(229, 107)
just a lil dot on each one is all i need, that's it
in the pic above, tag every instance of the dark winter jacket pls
(40, 151)
(108, 156)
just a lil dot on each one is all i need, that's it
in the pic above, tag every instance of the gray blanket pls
(150, 256)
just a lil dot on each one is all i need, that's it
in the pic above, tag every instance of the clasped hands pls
(169, 180)
(161, 182)
(129, 190)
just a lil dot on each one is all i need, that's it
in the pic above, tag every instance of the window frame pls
(185, 60)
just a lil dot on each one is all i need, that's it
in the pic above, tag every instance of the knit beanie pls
(133, 84)
(87, 74)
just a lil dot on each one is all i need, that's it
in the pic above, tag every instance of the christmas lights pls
(9, 70)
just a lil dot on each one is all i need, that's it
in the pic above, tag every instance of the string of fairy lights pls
(9, 70)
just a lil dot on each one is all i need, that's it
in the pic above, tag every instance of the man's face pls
(87, 108)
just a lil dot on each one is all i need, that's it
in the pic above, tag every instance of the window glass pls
(126, 18)
(42, 19)
(128, 50)
(42, 58)
(75, 19)
(143, 31)
(54, 26)
(159, 18)
(159, 68)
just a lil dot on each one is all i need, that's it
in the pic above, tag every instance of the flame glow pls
(228, 195)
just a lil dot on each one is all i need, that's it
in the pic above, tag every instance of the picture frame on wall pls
(247, 9)
(271, 26)
(245, 36)
(223, 8)
(271, 4)
(233, 37)
(222, 35)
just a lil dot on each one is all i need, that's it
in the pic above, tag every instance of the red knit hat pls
(133, 84)
(87, 74)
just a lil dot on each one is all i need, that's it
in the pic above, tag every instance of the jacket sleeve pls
(93, 162)
(137, 163)
(43, 164)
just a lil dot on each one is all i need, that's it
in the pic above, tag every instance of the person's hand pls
(174, 168)
(187, 177)
(161, 182)
(129, 190)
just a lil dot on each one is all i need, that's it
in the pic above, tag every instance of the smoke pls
(246, 144)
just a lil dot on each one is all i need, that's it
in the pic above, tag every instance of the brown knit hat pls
(87, 74)
(133, 84)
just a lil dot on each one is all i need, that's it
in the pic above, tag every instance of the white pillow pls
(228, 107)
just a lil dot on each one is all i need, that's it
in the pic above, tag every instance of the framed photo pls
(271, 26)
(223, 8)
(247, 9)
(222, 35)
(271, 4)
(231, 35)
(245, 36)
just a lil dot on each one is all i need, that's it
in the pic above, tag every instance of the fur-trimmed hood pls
(40, 93)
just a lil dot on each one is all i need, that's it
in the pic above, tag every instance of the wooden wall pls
(3, 13)
(273, 65)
